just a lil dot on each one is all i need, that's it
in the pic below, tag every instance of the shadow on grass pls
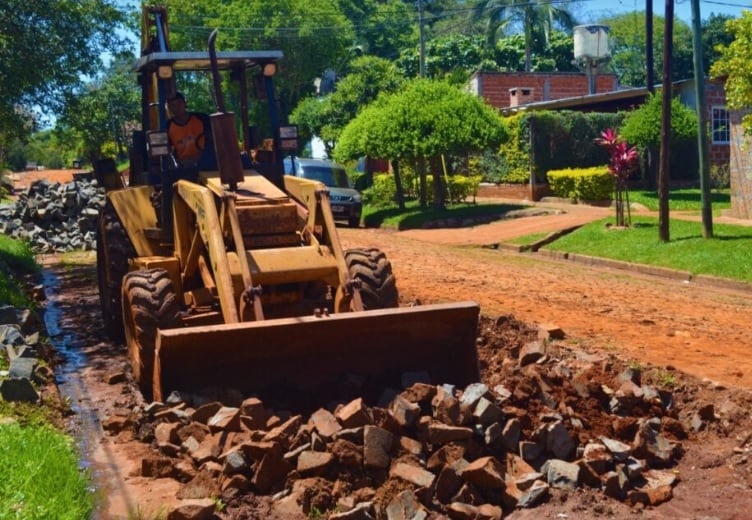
(452, 217)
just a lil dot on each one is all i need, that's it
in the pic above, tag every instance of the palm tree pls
(537, 17)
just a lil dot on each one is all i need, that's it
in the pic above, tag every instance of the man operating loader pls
(188, 133)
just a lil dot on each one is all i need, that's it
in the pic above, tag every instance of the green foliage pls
(427, 118)
(687, 199)
(734, 65)
(556, 56)
(445, 56)
(312, 37)
(642, 127)
(41, 479)
(382, 193)
(382, 28)
(715, 36)
(515, 151)
(487, 166)
(563, 139)
(687, 250)
(584, 184)
(535, 19)
(45, 48)
(15, 257)
(627, 35)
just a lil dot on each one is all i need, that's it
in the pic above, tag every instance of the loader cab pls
(250, 76)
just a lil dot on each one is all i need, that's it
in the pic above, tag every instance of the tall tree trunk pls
(423, 186)
(399, 191)
(438, 182)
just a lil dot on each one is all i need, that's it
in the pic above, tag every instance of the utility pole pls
(649, 176)
(702, 119)
(664, 171)
(649, 62)
(421, 21)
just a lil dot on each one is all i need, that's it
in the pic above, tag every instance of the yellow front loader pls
(234, 276)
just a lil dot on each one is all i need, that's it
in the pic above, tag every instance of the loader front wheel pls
(114, 249)
(149, 303)
(373, 269)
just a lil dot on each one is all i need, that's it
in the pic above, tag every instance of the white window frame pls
(720, 125)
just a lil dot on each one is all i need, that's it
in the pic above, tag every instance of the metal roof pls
(198, 60)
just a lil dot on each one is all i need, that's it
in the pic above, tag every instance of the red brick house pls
(505, 89)
(514, 91)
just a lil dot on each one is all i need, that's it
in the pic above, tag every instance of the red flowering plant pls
(623, 161)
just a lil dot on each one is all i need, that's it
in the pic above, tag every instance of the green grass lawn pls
(39, 473)
(728, 254)
(682, 200)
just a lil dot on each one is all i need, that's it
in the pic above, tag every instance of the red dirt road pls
(698, 329)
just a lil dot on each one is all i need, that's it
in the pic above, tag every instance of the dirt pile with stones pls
(546, 419)
(55, 217)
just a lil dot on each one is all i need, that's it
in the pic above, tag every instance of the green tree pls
(642, 127)
(313, 37)
(627, 46)
(453, 57)
(715, 36)
(93, 119)
(382, 28)
(556, 56)
(735, 65)
(537, 19)
(45, 48)
(421, 122)
(326, 117)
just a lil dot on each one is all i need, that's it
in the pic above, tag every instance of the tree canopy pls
(425, 119)
(46, 46)
(734, 65)
(627, 43)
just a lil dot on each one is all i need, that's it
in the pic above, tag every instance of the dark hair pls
(175, 96)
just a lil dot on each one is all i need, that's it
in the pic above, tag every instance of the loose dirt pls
(694, 335)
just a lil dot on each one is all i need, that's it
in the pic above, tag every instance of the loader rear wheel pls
(114, 249)
(374, 270)
(149, 303)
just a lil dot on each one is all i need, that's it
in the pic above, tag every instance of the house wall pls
(740, 168)
(495, 86)
(715, 95)
(719, 155)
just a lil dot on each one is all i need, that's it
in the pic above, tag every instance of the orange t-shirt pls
(188, 139)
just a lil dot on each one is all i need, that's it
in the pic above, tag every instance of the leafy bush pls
(594, 183)
(383, 191)
(515, 151)
(642, 126)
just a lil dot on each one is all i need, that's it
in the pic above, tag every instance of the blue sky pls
(589, 10)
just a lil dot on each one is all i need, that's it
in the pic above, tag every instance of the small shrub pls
(594, 183)
(382, 191)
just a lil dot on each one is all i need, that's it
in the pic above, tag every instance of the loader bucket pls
(308, 358)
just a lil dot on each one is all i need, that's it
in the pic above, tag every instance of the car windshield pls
(332, 177)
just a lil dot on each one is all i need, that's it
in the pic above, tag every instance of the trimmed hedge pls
(593, 184)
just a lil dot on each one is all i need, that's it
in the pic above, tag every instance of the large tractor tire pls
(114, 249)
(149, 303)
(378, 285)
